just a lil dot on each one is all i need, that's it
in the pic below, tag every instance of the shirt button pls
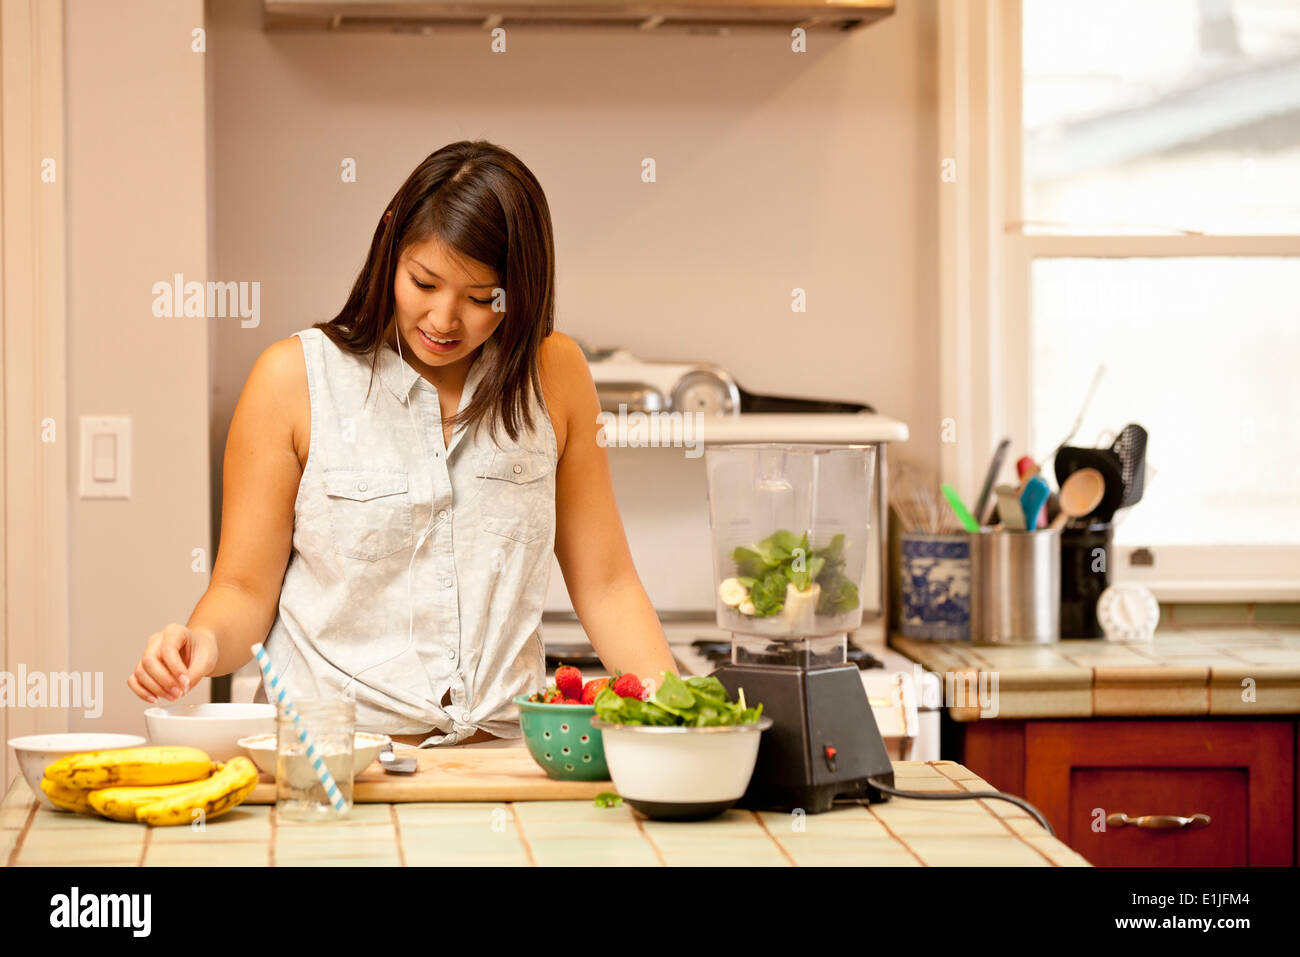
(518, 469)
(451, 655)
(447, 582)
(442, 513)
(361, 486)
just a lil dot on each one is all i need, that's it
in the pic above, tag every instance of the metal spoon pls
(1081, 492)
(393, 764)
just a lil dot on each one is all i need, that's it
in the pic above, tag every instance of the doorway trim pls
(34, 430)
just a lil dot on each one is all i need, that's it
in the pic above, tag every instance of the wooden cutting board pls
(456, 774)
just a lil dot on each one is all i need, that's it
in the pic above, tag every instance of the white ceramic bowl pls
(215, 727)
(680, 773)
(366, 746)
(36, 752)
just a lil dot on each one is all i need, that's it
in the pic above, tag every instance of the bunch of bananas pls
(156, 785)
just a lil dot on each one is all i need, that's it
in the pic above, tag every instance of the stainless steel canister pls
(1015, 587)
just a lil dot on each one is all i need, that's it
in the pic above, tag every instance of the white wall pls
(775, 170)
(136, 214)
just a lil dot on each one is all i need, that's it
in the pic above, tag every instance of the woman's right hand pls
(173, 662)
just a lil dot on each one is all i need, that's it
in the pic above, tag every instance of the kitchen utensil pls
(824, 741)
(1131, 447)
(392, 764)
(1015, 587)
(36, 752)
(214, 727)
(1072, 459)
(959, 508)
(1083, 409)
(915, 496)
(1081, 493)
(643, 385)
(1051, 509)
(1033, 498)
(995, 466)
(496, 772)
(1128, 612)
(562, 741)
(366, 746)
(1026, 468)
(681, 773)
(1010, 512)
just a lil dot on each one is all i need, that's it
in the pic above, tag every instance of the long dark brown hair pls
(484, 204)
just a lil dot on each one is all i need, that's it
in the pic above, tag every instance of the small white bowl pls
(36, 752)
(366, 745)
(214, 727)
(680, 773)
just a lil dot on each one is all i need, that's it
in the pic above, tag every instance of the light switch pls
(104, 468)
(105, 456)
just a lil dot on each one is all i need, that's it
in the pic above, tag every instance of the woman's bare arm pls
(590, 542)
(260, 484)
(261, 474)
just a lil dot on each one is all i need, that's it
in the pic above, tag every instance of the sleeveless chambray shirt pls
(477, 583)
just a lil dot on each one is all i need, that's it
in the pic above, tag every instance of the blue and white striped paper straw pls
(326, 779)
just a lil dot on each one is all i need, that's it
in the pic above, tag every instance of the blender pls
(789, 526)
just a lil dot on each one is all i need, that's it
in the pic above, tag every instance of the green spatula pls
(959, 509)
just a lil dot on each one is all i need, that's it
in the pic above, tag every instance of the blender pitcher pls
(789, 526)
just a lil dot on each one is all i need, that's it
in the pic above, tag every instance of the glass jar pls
(331, 726)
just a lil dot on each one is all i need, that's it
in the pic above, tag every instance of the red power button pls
(830, 753)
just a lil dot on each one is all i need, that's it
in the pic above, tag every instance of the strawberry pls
(593, 688)
(628, 686)
(569, 680)
(569, 701)
(552, 696)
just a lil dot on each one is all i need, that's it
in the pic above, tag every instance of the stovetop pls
(719, 652)
(581, 655)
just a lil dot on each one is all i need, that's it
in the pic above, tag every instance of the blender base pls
(823, 743)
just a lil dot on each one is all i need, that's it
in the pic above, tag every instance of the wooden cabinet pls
(1083, 774)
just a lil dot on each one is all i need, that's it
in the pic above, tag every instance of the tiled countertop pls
(901, 832)
(1214, 671)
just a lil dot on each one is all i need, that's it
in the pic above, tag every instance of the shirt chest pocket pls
(516, 494)
(370, 513)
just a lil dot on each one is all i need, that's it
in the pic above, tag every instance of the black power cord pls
(940, 796)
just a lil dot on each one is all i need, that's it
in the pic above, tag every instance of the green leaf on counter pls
(608, 799)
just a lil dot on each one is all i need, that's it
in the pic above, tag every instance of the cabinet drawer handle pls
(1159, 822)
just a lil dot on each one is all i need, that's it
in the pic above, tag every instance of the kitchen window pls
(1128, 200)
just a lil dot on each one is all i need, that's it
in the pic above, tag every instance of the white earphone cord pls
(410, 567)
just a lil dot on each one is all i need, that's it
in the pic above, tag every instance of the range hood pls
(432, 16)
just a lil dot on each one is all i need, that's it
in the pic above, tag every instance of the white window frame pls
(985, 259)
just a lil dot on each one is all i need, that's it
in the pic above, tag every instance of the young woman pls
(396, 479)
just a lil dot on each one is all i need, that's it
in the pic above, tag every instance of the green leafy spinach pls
(696, 702)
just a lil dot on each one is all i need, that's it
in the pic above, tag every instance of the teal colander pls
(562, 741)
